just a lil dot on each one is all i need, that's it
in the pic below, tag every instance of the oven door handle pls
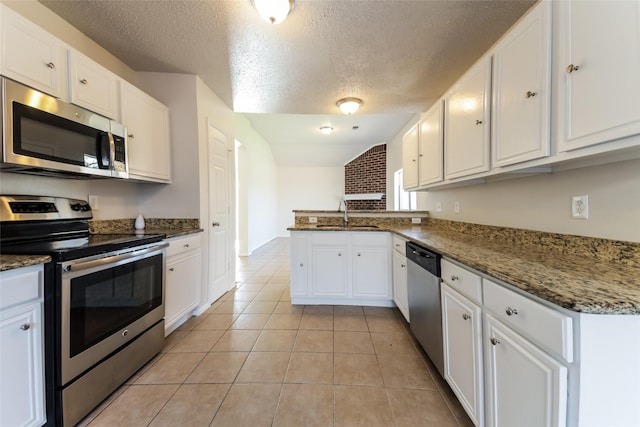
(111, 259)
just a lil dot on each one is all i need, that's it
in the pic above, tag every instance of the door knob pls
(215, 224)
(571, 68)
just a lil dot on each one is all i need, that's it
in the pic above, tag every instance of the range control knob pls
(76, 207)
(86, 208)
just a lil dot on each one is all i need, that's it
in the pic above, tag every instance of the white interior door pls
(219, 213)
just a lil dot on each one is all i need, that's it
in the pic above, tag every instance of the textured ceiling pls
(398, 56)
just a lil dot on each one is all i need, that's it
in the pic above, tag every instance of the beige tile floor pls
(254, 359)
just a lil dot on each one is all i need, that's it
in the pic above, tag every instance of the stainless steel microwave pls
(45, 136)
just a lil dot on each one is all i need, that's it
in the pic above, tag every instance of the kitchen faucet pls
(346, 210)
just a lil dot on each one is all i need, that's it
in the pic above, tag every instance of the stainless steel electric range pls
(104, 299)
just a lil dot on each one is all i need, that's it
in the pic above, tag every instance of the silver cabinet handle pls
(171, 269)
(478, 122)
(397, 245)
(339, 254)
(359, 254)
(454, 278)
(215, 224)
(25, 327)
(510, 311)
(186, 245)
(402, 265)
(465, 316)
(530, 94)
(495, 341)
(571, 68)
(301, 265)
(84, 81)
(51, 65)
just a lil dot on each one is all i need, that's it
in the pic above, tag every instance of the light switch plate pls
(456, 207)
(313, 220)
(438, 206)
(416, 220)
(580, 207)
(93, 202)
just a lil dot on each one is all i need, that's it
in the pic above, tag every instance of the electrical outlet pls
(438, 206)
(416, 220)
(456, 207)
(580, 207)
(93, 202)
(313, 219)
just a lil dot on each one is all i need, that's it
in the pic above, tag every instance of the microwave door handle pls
(112, 151)
(104, 151)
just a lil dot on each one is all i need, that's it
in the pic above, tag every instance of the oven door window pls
(106, 301)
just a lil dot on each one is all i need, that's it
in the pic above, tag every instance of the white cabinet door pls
(463, 369)
(299, 264)
(92, 86)
(30, 55)
(466, 146)
(521, 86)
(147, 122)
(400, 294)
(329, 270)
(182, 286)
(431, 138)
(371, 272)
(598, 71)
(525, 386)
(410, 158)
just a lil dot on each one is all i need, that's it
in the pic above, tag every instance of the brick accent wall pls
(367, 174)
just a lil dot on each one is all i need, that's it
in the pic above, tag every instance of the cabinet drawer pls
(550, 329)
(20, 285)
(399, 244)
(464, 281)
(183, 244)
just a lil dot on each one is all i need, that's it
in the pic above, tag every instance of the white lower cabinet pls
(400, 291)
(525, 386)
(462, 336)
(183, 280)
(21, 347)
(341, 268)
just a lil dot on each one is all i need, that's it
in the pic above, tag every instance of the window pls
(403, 200)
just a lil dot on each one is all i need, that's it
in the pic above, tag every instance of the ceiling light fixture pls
(349, 105)
(326, 129)
(273, 11)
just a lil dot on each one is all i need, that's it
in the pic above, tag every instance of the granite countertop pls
(573, 281)
(9, 262)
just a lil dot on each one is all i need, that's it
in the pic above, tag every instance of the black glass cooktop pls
(81, 246)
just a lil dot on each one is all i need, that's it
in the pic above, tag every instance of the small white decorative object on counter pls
(139, 224)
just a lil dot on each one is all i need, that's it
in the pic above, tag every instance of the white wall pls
(307, 188)
(543, 202)
(261, 186)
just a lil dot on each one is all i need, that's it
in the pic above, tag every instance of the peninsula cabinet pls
(341, 267)
(148, 142)
(183, 279)
(22, 347)
(597, 69)
(467, 123)
(31, 55)
(520, 128)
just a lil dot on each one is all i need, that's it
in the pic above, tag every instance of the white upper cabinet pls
(430, 167)
(598, 71)
(521, 90)
(93, 86)
(467, 115)
(30, 55)
(410, 158)
(148, 143)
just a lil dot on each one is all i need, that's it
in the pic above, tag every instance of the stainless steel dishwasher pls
(425, 312)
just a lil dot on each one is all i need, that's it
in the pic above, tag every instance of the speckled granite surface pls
(9, 262)
(582, 274)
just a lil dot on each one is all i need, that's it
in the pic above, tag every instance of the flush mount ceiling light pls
(273, 11)
(326, 129)
(349, 105)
